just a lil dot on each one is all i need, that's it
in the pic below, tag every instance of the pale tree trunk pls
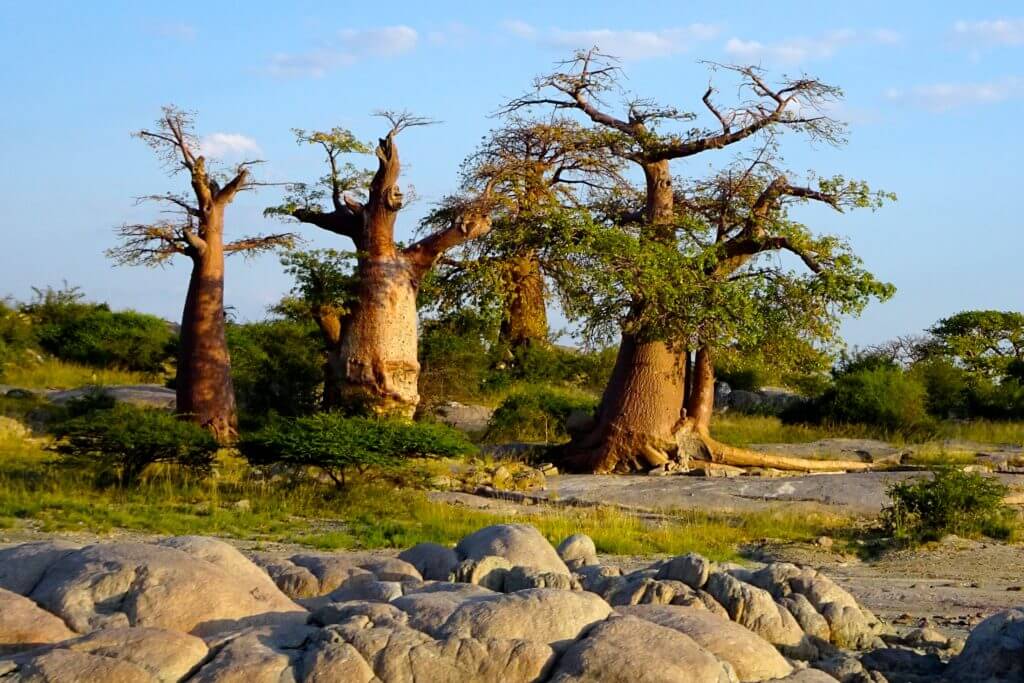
(701, 402)
(525, 318)
(203, 384)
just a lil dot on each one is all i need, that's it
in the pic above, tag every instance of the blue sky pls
(934, 94)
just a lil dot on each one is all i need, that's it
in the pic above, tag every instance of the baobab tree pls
(539, 170)
(376, 362)
(641, 413)
(195, 229)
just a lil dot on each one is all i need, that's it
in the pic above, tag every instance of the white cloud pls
(227, 145)
(798, 50)
(352, 46)
(990, 32)
(453, 32)
(945, 96)
(630, 45)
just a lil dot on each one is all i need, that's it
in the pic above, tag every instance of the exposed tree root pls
(724, 454)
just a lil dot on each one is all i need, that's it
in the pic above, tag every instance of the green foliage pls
(537, 413)
(334, 443)
(1002, 401)
(16, 335)
(341, 178)
(323, 278)
(71, 329)
(885, 397)
(126, 439)
(947, 387)
(949, 502)
(276, 366)
(983, 342)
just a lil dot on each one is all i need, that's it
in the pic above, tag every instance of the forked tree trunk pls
(203, 385)
(329, 322)
(700, 404)
(376, 362)
(526, 318)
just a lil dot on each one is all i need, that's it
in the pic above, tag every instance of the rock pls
(692, 569)
(896, 662)
(711, 469)
(752, 657)
(489, 571)
(266, 654)
(994, 650)
(429, 608)
(24, 625)
(434, 562)
(294, 581)
(135, 584)
(722, 391)
(366, 587)
(807, 676)
(403, 655)
(467, 418)
(812, 623)
(378, 614)
(755, 609)
(521, 544)
(330, 570)
(578, 551)
(543, 615)
(825, 542)
(66, 666)
(524, 578)
(926, 637)
(392, 569)
(144, 395)
(594, 578)
(627, 649)
(22, 566)
(225, 556)
(168, 656)
(744, 401)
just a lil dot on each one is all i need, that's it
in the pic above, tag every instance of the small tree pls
(196, 230)
(985, 343)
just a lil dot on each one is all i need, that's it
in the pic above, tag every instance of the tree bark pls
(376, 367)
(203, 386)
(700, 403)
(525, 318)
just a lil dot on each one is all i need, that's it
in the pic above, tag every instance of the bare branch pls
(250, 246)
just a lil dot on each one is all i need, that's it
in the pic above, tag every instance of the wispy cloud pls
(228, 145)
(630, 45)
(178, 30)
(351, 46)
(989, 32)
(799, 50)
(946, 96)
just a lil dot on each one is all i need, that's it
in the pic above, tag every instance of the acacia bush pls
(71, 329)
(537, 413)
(124, 440)
(951, 501)
(335, 443)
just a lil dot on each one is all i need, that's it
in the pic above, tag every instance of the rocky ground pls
(503, 605)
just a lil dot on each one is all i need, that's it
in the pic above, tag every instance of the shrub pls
(882, 396)
(536, 413)
(946, 387)
(92, 334)
(1002, 401)
(335, 443)
(276, 366)
(126, 439)
(16, 335)
(949, 502)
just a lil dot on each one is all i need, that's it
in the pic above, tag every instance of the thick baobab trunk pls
(639, 412)
(526, 317)
(203, 385)
(376, 364)
(700, 403)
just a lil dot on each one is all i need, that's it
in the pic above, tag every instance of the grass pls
(51, 373)
(35, 491)
(744, 430)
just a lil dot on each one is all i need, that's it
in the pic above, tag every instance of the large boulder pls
(429, 608)
(627, 649)
(265, 654)
(544, 615)
(521, 544)
(22, 566)
(752, 657)
(294, 581)
(692, 569)
(755, 609)
(68, 666)
(433, 561)
(464, 417)
(24, 625)
(142, 395)
(136, 584)
(330, 570)
(993, 652)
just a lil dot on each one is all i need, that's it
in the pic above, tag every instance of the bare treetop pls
(583, 83)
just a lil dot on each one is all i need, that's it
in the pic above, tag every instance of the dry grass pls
(50, 373)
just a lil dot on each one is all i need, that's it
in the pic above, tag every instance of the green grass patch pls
(51, 373)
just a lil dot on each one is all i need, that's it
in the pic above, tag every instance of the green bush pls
(126, 439)
(16, 336)
(276, 366)
(949, 502)
(536, 413)
(946, 387)
(92, 334)
(997, 401)
(881, 396)
(335, 443)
